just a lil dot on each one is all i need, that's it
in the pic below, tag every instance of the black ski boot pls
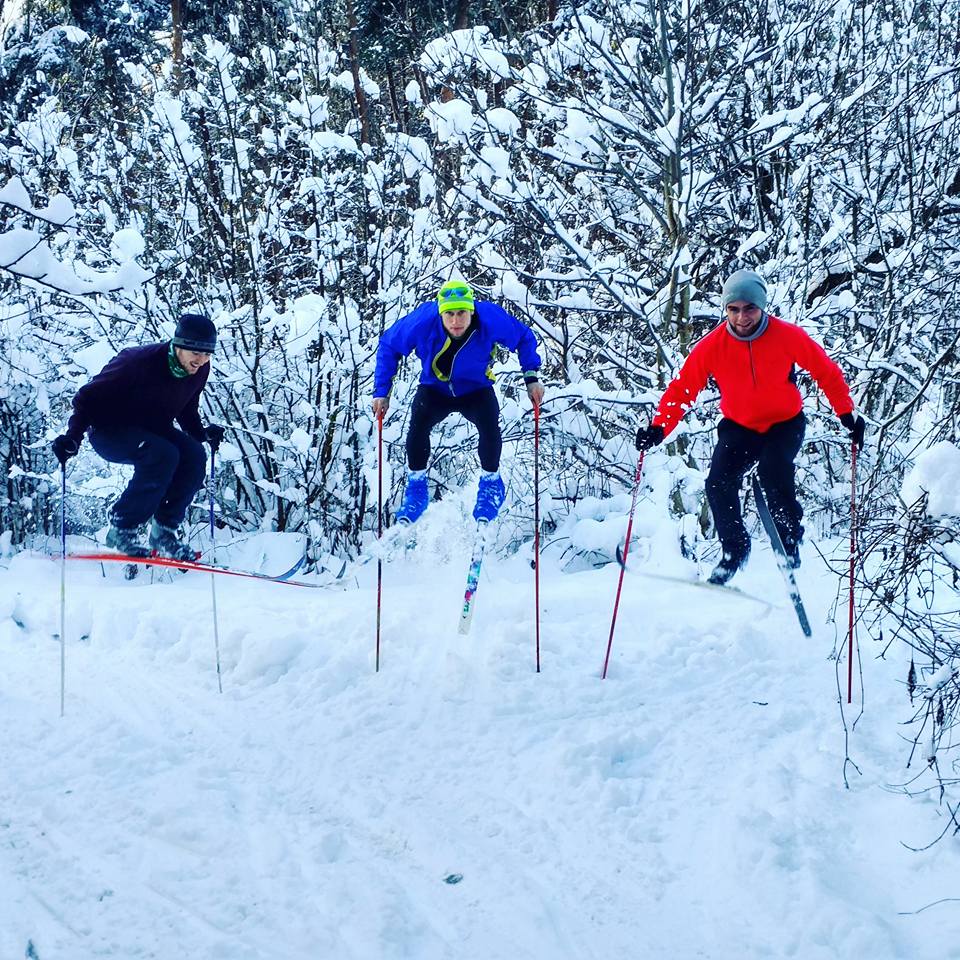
(730, 563)
(166, 542)
(128, 541)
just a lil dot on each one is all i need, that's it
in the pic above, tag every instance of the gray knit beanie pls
(745, 285)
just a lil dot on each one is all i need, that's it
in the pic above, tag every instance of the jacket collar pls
(759, 332)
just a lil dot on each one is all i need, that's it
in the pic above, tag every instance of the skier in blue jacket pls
(455, 339)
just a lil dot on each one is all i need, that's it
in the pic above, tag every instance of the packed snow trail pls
(691, 805)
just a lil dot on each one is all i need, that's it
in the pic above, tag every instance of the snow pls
(95, 357)
(300, 439)
(305, 320)
(344, 81)
(472, 46)
(693, 801)
(755, 239)
(451, 120)
(43, 133)
(59, 211)
(503, 121)
(325, 142)
(26, 254)
(411, 93)
(415, 153)
(168, 112)
(128, 244)
(667, 135)
(779, 136)
(15, 193)
(937, 474)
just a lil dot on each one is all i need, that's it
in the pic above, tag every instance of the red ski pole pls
(379, 526)
(63, 582)
(536, 522)
(853, 553)
(623, 567)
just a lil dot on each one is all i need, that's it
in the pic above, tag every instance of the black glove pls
(648, 437)
(214, 436)
(856, 426)
(64, 448)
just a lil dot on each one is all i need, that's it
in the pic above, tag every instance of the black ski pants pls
(431, 406)
(774, 452)
(168, 469)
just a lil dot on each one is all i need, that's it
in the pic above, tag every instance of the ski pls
(691, 582)
(473, 575)
(191, 565)
(781, 555)
(705, 585)
(387, 548)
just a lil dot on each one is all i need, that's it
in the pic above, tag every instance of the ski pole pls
(853, 552)
(63, 582)
(379, 528)
(623, 566)
(536, 522)
(213, 579)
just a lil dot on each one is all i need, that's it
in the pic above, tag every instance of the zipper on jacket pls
(753, 369)
(453, 392)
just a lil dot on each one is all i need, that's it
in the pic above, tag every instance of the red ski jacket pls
(755, 377)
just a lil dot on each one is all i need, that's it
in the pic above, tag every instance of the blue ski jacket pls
(423, 331)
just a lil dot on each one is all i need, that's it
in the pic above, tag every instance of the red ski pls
(153, 561)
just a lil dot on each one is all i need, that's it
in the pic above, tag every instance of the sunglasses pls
(455, 293)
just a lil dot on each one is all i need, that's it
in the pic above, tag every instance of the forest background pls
(308, 172)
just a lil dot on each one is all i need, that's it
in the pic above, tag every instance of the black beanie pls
(195, 332)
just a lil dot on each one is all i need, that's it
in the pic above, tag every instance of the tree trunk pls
(355, 70)
(176, 18)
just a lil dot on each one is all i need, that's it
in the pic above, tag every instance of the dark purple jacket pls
(137, 389)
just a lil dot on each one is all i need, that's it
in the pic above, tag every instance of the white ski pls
(473, 576)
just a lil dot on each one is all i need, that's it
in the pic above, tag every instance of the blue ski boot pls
(415, 499)
(490, 497)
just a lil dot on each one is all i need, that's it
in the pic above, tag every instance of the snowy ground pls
(691, 805)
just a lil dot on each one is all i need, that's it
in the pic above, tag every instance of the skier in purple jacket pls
(128, 411)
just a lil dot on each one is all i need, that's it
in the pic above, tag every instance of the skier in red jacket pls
(751, 356)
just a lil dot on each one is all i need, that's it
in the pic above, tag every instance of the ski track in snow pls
(691, 805)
